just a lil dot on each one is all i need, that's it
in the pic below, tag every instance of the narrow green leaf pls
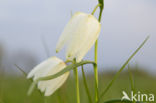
(131, 79)
(25, 75)
(66, 69)
(86, 86)
(120, 70)
(20, 69)
(45, 46)
(31, 89)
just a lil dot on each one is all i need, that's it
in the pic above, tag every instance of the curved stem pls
(66, 69)
(98, 5)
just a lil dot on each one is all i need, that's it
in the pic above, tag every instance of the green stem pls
(101, 5)
(96, 73)
(86, 86)
(77, 84)
(98, 5)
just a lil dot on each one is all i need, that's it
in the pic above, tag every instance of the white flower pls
(49, 67)
(79, 35)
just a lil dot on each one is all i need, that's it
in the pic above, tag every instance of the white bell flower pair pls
(79, 36)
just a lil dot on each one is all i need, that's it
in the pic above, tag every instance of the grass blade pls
(131, 79)
(120, 70)
(86, 86)
(45, 46)
(20, 69)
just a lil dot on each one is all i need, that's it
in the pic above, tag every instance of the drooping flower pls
(50, 66)
(79, 35)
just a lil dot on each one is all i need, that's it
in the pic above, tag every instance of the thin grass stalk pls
(96, 72)
(86, 86)
(131, 80)
(77, 84)
(121, 69)
(21, 70)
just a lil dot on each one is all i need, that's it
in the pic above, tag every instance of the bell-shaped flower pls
(50, 66)
(79, 35)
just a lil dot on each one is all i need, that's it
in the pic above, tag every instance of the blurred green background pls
(124, 25)
(13, 89)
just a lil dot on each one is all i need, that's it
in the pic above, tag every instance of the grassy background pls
(13, 89)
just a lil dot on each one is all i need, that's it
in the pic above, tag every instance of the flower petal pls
(93, 32)
(68, 31)
(58, 83)
(49, 67)
(84, 36)
(50, 86)
(39, 69)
